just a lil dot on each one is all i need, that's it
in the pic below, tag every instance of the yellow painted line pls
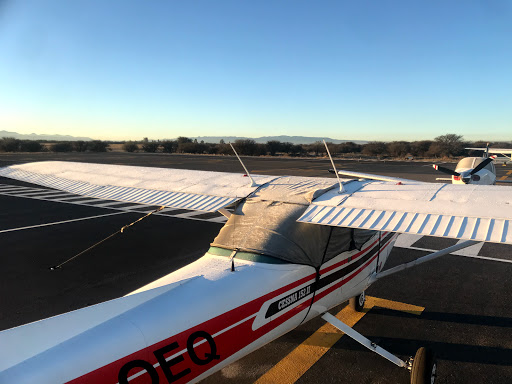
(297, 362)
(505, 177)
(394, 305)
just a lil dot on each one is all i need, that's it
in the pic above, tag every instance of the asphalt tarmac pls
(467, 316)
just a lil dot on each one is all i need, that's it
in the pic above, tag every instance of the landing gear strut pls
(423, 366)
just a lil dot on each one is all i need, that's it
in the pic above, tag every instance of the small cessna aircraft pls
(292, 248)
(474, 170)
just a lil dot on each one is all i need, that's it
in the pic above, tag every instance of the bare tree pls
(449, 144)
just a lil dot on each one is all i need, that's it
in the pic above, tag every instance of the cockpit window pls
(271, 229)
(472, 162)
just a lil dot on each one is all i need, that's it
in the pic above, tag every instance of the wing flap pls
(457, 227)
(480, 213)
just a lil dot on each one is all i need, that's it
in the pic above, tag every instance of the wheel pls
(357, 302)
(424, 367)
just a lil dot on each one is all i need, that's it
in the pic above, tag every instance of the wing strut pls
(424, 259)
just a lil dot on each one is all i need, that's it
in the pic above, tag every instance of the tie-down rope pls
(105, 239)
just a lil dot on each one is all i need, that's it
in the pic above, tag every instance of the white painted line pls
(85, 202)
(474, 250)
(455, 254)
(8, 186)
(186, 217)
(71, 197)
(170, 209)
(17, 189)
(51, 195)
(406, 240)
(220, 219)
(112, 203)
(61, 222)
(189, 214)
(488, 258)
(143, 208)
(37, 193)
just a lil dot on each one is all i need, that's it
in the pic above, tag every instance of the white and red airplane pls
(292, 248)
(474, 170)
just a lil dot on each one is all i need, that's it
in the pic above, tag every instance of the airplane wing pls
(194, 190)
(494, 150)
(472, 212)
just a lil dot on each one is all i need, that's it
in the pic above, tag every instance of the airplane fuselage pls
(193, 322)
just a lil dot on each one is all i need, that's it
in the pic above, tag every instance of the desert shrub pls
(375, 148)
(9, 144)
(150, 147)
(193, 147)
(169, 146)
(130, 146)
(80, 146)
(30, 146)
(63, 146)
(421, 148)
(249, 147)
(318, 148)
(398, 148)
(224, 149)
(97, 146)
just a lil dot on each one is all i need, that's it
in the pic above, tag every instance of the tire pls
(357, 302)
(424, 367)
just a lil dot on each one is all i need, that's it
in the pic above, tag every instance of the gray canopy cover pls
(266, 223)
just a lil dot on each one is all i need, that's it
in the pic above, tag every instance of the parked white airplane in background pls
(471, 170)
(474, 170)
(292, 248)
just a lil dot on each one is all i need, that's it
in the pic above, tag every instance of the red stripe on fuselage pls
(345, 280)
(345, 261)
(227, 342)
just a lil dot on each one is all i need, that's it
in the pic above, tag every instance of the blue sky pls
(369, 70)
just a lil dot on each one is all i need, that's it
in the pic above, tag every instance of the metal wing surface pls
(494, 150)
(472, 212)
(194, 190)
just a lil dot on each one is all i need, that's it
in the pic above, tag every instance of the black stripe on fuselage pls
(329, 279)
(289, 300)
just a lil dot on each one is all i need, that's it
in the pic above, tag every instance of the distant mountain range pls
(34, 136)
(282, 138)
(206, 139)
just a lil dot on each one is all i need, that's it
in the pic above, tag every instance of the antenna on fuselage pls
(253, 183)
(334, 167)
